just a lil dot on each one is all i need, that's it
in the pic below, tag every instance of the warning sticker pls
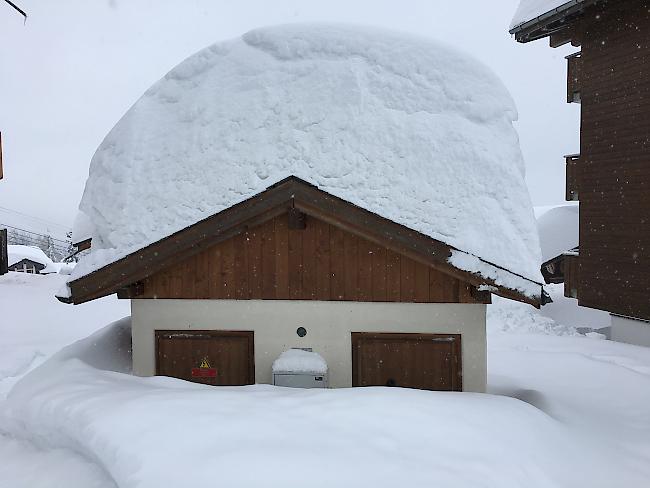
(204, 370)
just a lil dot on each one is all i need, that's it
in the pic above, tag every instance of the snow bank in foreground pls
(36, 325)
(152, 432)
(402, 126)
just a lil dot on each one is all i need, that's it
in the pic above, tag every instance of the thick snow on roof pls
(558, 230)
(402, 126)
(17, 252)
(531, 9)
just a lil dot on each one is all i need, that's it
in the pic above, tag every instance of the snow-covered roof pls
(82, 228)
(558, 230)
(18, 252)
(405, 127)
(532, 9)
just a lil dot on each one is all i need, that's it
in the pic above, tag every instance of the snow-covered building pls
(610, 78)
(558, 237)
(29, 259)
(313, 186)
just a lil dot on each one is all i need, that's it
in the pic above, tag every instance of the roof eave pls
(277, 199)
(545, 24)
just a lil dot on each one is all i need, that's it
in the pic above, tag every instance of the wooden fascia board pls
(289, 193)
(551, 22)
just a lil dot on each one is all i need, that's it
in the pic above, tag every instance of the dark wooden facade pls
(313, 260)
(611, 175)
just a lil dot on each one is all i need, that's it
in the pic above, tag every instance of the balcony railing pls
(574, 77)
(572, 183)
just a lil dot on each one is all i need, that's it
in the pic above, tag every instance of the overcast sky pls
(75, 67)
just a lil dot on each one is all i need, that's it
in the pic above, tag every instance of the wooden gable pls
(247, 223)
(314, 260)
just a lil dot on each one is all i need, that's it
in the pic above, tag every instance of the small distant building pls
(610, 78)
(29, 259)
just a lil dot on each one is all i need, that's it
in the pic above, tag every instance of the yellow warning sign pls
(204, 370)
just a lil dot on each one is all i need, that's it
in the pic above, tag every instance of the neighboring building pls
(558, 237)
(610, 78)
(297, 188)
(29, 259)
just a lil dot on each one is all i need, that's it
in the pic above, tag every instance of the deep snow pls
(558, 230)
(76, 421)
(406, 127)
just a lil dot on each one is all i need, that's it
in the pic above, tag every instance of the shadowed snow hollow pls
(402, 126)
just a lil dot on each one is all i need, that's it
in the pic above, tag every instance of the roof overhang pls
(292, 192)
(552, 21)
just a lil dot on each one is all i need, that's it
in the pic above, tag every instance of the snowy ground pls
(566, 411)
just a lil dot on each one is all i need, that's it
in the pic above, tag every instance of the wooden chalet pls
(295, 266)
(610, 78)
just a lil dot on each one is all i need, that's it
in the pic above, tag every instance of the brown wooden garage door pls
(425, 361)
(206, 356)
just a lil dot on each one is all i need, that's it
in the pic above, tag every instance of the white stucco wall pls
(629, 330)
(328, 325)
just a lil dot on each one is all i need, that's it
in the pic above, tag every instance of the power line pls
(35, 234)
(44, 221)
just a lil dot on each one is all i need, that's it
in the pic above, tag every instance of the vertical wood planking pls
(351, 249)
(322, 257)
(379, 274)
(437, 282)
(254, 248)
(309, 236)
(320, 262)
(189, 277)
(364, 288)
(407, 279)
(280, 227)
(268, 270)
(393, 276)
(202, 264)
(421, 283)
(214, 274)
(235, 268)
(337, 263)
(295, 263)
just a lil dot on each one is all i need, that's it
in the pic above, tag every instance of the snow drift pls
(402, 126)
(152, 432)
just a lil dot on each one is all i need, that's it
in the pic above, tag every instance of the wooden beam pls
(297, 220)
